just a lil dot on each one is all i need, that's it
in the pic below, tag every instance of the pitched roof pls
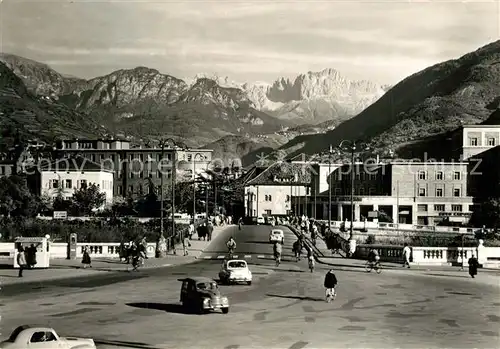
(296, 173)
(74, 164)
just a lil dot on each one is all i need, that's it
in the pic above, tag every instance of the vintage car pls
(277, 235)
(202, 294)
(234, 271)
(31, 337)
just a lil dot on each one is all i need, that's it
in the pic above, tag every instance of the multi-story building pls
(484, 175)
(407, 192)
(272, 191)
(471, 140)
(62, 177)
(137, 169)
(6, 168)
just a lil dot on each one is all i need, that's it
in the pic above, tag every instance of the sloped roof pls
(299, 173)
(74, 164)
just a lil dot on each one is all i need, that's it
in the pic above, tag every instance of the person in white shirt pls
(406, 255)
(191, 230)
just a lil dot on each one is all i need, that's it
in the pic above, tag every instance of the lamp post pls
(161, 246)
(352, 146)
(329, 180)
(194, 184)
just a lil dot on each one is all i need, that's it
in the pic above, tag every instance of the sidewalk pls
(65, 268)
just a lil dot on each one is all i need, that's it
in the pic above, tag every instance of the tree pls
(15, 198)
(87, 199)
(488, 214)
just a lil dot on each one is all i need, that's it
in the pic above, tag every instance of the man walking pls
(185, 244)
(473, 266)
(21, 260)
(210, 229)
(406, 256)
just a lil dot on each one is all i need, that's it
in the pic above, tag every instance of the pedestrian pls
(473, 265)
(144, 248)
(86, 260)
(406, 255)
(210, 229)
(21, 260)
(185, 244)
(191, 230)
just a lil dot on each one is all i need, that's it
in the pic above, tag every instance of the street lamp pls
(352, 147)
(329, 181)
(161, 246)
(197, 155)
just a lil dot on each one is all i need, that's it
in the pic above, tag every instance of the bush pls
(370, 240)
(96, 230)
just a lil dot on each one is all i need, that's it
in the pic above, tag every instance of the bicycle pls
(330, 294)
(277, 258)
(369, 266)
(311, 264)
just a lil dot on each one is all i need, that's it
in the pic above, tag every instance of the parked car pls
(29, 337)
(261, 220)
(277, 235)
(235, 271)
(202, 295)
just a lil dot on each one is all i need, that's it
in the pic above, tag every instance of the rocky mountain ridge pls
(422, 107)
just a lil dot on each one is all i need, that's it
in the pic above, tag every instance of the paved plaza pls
(283, 308)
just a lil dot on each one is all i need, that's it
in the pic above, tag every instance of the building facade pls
(277, 190)
(472, 140)
(405, 192)
(63, 177)
(135, 169)
(484, 175)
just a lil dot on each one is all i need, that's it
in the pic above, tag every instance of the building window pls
(421, 191)
(439, 208)
(265, 197)
(456, 208)
(288, 198)
(337, 191)
(190, 157)
(439, 175)
(141, 157)
(361, 191)
(491, 142)
(456, 176)
(371, 191)
(473, 142)
(2, 170)
(439, 192)
(472, 208)
(69, 184)
(83, 183)
(130, 189)
(120, 190)
(421, 175)
(268, 212)
(422, 208)
(55, 183)
(456, 192)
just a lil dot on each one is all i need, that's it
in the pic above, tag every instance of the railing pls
(387, 253)
(400, 226)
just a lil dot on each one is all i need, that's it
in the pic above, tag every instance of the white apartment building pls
(476, 139)
(64, 176)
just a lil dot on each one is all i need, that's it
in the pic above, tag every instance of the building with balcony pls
(135, 168)
(407, 192)
(64, 176)
(472, 140)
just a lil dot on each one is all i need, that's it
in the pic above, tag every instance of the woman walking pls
(86, 260)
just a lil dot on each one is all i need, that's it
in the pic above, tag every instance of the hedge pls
(98, 230)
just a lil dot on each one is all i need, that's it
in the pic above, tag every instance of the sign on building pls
(60, 214)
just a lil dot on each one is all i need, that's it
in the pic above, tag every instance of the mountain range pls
(315, 110)
(412, 119)
(144, 103)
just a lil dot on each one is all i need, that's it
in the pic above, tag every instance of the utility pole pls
(174, 170)
(329, 180)
(352, 191)
(194, 188)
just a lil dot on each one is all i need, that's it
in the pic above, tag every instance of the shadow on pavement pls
(167, 307)
(123, 344)
(301, 298)
(257, 242)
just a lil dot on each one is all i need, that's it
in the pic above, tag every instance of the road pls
(283, 308)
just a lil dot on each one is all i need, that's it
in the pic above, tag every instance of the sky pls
(383, 41)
